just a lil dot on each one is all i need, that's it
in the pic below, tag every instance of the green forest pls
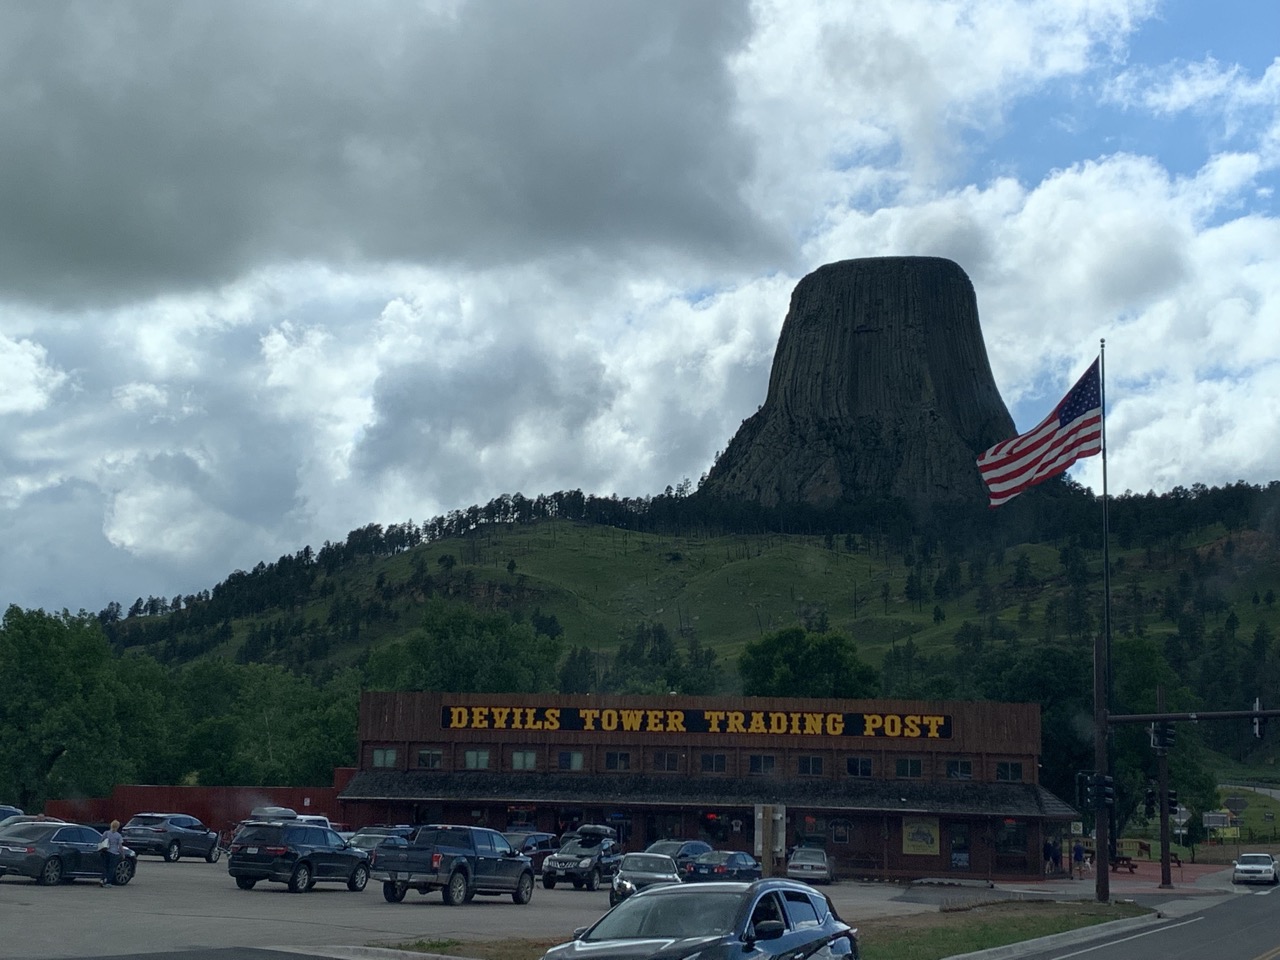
(257, 680)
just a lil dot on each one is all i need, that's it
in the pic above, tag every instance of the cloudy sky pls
(270, 271)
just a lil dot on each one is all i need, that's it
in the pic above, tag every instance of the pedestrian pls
(110, 848)
(1077, 857)
(1048, 856)
(1057, 856)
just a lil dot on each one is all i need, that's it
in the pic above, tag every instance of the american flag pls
(1072, 431)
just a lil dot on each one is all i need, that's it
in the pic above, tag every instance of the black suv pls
(298, 854)
(171, 835)
(593, 855)
(683, 852)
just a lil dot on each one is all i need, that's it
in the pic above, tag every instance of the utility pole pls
(1102, 768)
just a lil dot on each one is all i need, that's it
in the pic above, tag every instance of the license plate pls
(250, 849)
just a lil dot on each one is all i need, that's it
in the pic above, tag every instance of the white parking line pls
(1112, 943)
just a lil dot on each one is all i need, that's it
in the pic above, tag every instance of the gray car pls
(51, 853)
(171, 835)
(811, 865)
(640, 870)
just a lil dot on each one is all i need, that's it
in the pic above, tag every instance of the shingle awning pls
(953, 797)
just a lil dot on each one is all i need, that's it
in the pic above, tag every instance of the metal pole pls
(1162, 778)
(1102, 677)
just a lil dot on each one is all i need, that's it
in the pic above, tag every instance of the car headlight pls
(624, 886)
(584, 863)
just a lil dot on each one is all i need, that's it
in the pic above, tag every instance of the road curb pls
(364, 953)
(1080, 935)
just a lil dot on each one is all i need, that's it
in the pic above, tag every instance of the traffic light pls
(1173, 799)
(1149, 804)
(1090, 797)
(1259, 723)
(1106, 792)
(1169, 734)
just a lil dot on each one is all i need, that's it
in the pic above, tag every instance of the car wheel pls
(394, 892)
(214, 854)
(593, 880)
(359, 878)
(577, 884)
(50, 873)
(172, 852)
(245, 883)
(549, 882)
(454, 893)
(300, 882)
(123, 873)
(613, 898)
(524, 889)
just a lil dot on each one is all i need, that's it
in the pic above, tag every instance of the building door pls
(958, 839)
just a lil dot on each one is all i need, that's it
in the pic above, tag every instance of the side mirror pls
(768, 930)
(578, 932)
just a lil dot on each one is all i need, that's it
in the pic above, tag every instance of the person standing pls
(111, 852)
(1077, 858)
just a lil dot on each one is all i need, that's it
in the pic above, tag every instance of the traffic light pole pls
(1102, 768)
(1162, 774)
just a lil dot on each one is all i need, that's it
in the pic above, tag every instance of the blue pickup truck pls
(460, 862)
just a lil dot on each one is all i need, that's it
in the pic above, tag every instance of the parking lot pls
(191, 904)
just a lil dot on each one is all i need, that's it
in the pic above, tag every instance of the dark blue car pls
(723, 865)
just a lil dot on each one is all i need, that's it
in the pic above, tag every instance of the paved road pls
(191, 910)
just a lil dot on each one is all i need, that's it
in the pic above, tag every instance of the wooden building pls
(891, 788)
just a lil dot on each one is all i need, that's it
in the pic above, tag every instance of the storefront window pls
(1011, 838)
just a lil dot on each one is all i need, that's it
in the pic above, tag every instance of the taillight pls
(435, 860)
(237, 847)
(276, 851)
(720, 869)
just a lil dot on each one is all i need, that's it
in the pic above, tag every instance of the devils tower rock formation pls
(880, 389)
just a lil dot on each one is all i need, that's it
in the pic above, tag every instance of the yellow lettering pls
(589, 719)
(813, 723)
(675, 721)
(777, 723)
(911, 726)
(480, 716)
(734, 722)
(892, 725)
(500, 715)
(655, 721)
(714, 719)
(608, 719)
(795, 722)
(933, 723)
(757, 723)
(871, 722)
(458, 716)
(835, 724)
(631, 719)
(552, 719)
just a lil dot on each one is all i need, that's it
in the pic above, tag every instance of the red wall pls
(217, 807)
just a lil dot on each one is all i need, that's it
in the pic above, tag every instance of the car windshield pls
(669, 847)
(255, 833)
(648, 863)
(30, 831)
(809, 856)
(687, 913)
(1255, 860)
(586, 845)
(713, 856)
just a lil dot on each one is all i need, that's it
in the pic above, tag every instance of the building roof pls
(957, 797)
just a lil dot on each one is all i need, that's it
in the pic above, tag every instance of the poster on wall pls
(920, 836)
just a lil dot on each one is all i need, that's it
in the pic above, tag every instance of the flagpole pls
(1102, 683)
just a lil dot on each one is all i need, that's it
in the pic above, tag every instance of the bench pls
(1125, 862)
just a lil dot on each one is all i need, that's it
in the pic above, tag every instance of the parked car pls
(717, 921)
(1255, 868)
(366, 838)
(640, 870)
(171, 835)
(459, 861)
(534, 845)
(722, 865)
(681, 851)
(17, 818)
(53, 852)
(8, 811)
(296, 854)
(811, 865)
(585, 860)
